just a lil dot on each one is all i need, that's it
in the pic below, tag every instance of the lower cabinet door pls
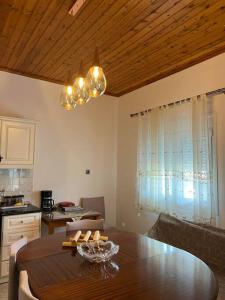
(10, 237)
(21, 222)
(4, 268)
(5, 253)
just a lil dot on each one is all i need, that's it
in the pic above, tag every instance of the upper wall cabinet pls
(17, 140)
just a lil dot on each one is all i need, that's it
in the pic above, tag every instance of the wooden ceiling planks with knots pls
(140, 41)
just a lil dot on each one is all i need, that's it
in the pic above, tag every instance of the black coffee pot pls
(47, 203)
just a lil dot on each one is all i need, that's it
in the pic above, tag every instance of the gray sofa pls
(202, 240)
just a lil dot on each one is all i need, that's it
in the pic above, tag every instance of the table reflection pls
(105, 270)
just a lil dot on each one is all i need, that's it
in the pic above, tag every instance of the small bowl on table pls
(98, 251)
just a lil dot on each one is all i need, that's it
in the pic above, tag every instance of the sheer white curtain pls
(176, 163)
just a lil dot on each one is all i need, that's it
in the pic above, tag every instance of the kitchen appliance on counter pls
(47, 203)
(12, 202)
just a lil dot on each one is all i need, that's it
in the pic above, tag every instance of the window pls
(176, 160)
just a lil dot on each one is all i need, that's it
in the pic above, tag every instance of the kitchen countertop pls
(20, 211)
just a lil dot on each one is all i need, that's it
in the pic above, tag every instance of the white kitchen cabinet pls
(17, 141)
(17, 222)
(14, 228)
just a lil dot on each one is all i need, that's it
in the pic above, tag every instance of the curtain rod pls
(215, 92)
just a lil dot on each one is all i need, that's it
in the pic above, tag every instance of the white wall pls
(67, 142)
(204, 77)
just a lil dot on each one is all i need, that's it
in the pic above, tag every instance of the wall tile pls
(17, 181)
(16, 173)
(5, 172)
(27, 173)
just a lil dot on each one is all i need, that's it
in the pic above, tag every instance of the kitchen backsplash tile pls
(17, 181)
(26, 173)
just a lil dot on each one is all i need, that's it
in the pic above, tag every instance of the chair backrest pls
(13, 275)
(85, 224)
(24, 289)
(96, 203)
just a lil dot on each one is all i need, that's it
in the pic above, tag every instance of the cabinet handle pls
(1, 158)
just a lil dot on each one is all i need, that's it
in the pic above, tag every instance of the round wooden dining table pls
(143, 269)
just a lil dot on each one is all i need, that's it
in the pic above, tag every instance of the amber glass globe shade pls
(96, 81)
(67, 98)
(81, 94)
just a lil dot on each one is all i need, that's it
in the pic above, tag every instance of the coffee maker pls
(47, 203)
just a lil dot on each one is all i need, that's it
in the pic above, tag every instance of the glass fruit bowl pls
(98, 251)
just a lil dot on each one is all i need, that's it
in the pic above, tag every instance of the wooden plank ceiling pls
(140, 41)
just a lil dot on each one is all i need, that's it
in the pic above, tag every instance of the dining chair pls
(24, 289)
(13, 282)
(85, 224)
(96, 203)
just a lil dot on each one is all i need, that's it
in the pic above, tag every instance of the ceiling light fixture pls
(96, 78)
(84, 87)
(81, 88)
(67, 95)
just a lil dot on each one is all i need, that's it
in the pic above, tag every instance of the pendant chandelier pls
(96, 78)
(84, 86)
(67, 95)
(81, 87)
